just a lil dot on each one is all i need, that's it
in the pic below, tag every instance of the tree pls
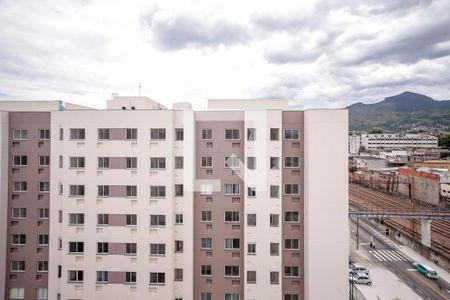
(444, 140)
(376, 130)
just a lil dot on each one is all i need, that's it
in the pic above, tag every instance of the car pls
(360, 278)
(358, 269)
(425, 270)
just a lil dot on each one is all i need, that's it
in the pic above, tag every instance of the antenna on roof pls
(139, 89)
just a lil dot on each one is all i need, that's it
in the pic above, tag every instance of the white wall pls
(326, 209)
(4, 150)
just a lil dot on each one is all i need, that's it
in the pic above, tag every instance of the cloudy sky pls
(314, 53)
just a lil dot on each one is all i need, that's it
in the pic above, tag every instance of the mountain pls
(407, 111)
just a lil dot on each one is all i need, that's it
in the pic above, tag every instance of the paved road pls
(388, 254)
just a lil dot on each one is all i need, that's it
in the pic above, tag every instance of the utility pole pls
(357, 233)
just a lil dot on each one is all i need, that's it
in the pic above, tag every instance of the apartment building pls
(396, 141)
(138, 201)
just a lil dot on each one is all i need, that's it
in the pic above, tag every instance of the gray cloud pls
(183, 29)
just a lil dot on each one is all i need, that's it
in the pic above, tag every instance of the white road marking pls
(419, 291)
(396, 254)
(385, 252)
(383, 256)
(378, 256)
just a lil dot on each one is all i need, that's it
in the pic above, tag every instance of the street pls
(387, 254)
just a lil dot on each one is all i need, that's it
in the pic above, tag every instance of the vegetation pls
(444, 140)
(377, 130)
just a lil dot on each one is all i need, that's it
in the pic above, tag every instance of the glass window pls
(20, 134)
(103, 133)
(179, 134)
(179, 219)
(130, 248)
(251, 219)
(131, 134)
(291, 244)
(231, 271)
(231, 189)
(103, 190)
(205, 296)
(102, 219)
(157, 191)
(251, 191)
(77, 133)
(206, 243)
(157, 249)
(206, 216)
(158, 134)
(103, 162)
(44, 160)
(251, 276)
(42, 239)
(291, 189)
(229, 296)
(206, 270)
(17, 293)
(251, 163)
(131, 162)
(274, 220)
(231, 162)
(251, 134)
(231, 216)
(232, 134)
(76, 247)
(251, 248)
(20, 160)
(43, 213)
(19, 213)
(102, 248)
(291, 216)
(130, 277)
(232, 244)
(291, 271)
(179, 246)
(291, 134)
(41, 294)
(178, 274)
(206, 162)
(76, 219)
(179, 190)
(77, 162)
(76, 190)
(158, 220)
(131, 191)
(206, 189)
(206, 134)
(157, 278)
(274, 277)
(19, 239)
(75, 275)
(274, 249)
(291, 162)
(44, 186)
(179, 162)
(44, 134)
(157, 162)
(274, 191)
(131, 220)
(274, 163)
(19, 186)
(274, 134)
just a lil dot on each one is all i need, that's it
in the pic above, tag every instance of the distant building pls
(369, 163)
(354, 144)
(396, 141)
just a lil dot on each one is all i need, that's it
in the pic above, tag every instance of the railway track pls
(375, 200)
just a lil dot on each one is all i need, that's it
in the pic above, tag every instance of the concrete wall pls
(326, 210)
(4, 161)
(426, 185)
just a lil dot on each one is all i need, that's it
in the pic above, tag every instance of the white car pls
(361, 278)
(358, 269)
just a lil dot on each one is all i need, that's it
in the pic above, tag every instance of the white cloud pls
(317, 53)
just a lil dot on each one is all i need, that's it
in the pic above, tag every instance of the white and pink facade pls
(246, 200)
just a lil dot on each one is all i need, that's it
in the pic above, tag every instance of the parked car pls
(358, 269)
(425, 270)
(361, 278)
(351, 264)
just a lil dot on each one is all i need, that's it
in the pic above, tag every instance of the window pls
(251, 219)
(157, 249)
(157, 191)
(130, 277)
(179, 134)
(76, 247)
(251, 134)
(231, 188)
(231, 271)
(231, 216)
(75, 275)
(274, 191)
(232, 244)
(158, 134)
(206, 216)
(274, 249)
(44, 160)
(205, 296)
(178, 219)
(158, 220)
(291, 216)
(291, 162)
(18, 266)
(61, 134)
(291, 189)
(19, 160)
(179, 190)
(60, 216)
(77, 133)
(59, 271)
(207, 162)
(232, 134)
(251, 191)
(102, 190)
(42, 266)
(41, 294)
(20, 134)
(291, 297)
(103, 162)
(291, 244)
(17, 293)
(251, 276)
(131, 134)
(206, 134)
(274, 220)
(179, 162)
(206, 243)
(102, 248)
(274, 277)
(231, 296)
(77, 162)
(102, 276)
(291, 134)
(19, 186)
(42, 239)
(274, 163)
(274, 134)
(206, 189)
(157, 278)
(231, 162)
(44, 186)
(61, 162)
(131, 162)
(76, 219)
(102, 219)
(157, 162)
(178, 275)
(19, 213)
(130, 248)
(43, 213)
(103, 133)
(291, 271)
(251, 162)
(131, 191)
(76, 190)
(131, 220)
(179, 246)
(206, 270)
(251, 248)
(44, 134)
